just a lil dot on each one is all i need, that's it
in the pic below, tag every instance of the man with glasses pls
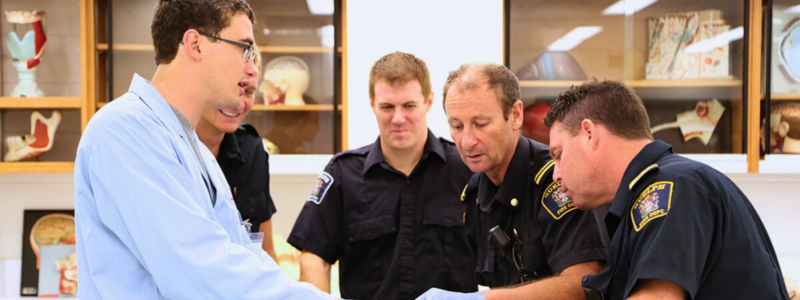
(155, 217)
(549, 245)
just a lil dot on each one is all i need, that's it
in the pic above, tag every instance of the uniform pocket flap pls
(486, 258)
(447, 216)
(371, 229)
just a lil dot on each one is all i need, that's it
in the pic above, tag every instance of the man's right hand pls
(438, 294)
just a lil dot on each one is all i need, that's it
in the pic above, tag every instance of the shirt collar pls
(375, 155)
(646, 158)
(153, 99)
(230, 148)
(514, 182)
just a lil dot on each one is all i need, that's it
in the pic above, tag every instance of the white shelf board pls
(780, 164)
(725, 163)
(298, 164)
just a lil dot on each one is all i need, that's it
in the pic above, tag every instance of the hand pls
(437, 294)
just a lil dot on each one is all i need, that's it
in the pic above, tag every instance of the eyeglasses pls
(249, 51)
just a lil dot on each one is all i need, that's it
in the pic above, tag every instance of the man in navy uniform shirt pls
(680, 229)
(390, 212)
(554, 244)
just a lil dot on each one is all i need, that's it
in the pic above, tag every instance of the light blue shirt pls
(145, 223)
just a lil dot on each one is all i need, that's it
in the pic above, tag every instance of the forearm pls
(316, 271)
(268, 245)
(564, 286)
(567, 285)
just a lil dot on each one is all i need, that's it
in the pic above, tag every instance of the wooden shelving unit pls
(783, 97)
(263, 107)
(700, 83)
(38, 103)
(36, 167)
(309, 107)
(263, 49)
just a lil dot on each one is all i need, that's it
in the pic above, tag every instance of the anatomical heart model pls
(697, 123)
(26, 53)
(39, 141)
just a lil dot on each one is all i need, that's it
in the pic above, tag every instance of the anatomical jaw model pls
(26, 53)
(39, 141)
(698, 123)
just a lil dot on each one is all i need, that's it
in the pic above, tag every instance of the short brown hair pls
(607, 102)
(500, 78)
(174, 17)
(400, 68)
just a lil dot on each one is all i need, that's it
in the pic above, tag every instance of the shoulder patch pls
(653, 203)
(556, 202)
(547, 166)
(322, 186)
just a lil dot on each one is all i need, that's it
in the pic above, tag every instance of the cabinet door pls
(683, 58)
(296, 109)
(780, 113)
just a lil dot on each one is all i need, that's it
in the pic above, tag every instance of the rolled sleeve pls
(577, 237)
(318, 228)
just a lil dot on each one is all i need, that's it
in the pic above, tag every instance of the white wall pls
(445, 34)
(775, 197)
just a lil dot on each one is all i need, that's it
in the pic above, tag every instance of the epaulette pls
(543, 170)
(358, 151)
(249, 129)
(471, 186)
(651, 168)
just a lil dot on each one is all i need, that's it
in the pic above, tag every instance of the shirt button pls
(234, 191)
(252, 211)
(514, 202)
(408, 181)
(408, 241)
(585, 279)
(370, 233)
(448, 221)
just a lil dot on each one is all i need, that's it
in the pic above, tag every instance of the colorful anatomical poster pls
(42, 228)
(58, 272)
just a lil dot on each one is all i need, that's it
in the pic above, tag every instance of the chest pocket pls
(371, 246)
(534, 259)
(445, 226)
(252, 204)
(371, 229)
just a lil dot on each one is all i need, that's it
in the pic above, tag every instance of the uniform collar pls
(375, 156)
(514, 182)
(153, 99)
(230, 148)
(640, 165)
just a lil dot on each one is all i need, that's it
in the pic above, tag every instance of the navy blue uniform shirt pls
(553, 233)
(395, 236)
(245, 163)
(681, 221)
